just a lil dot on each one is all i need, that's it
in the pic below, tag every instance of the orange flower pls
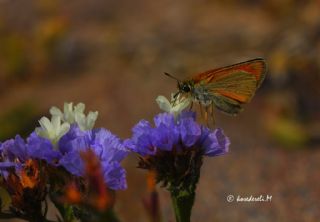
(73, 194)
(91, 190)
(30, 175)
(99, 195)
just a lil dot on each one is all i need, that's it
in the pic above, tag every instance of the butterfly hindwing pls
(227, 105)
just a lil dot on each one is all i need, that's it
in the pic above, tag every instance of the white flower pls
(69, 113)
(86, 123)
(52, 130)
(175, 106)
(75, 114)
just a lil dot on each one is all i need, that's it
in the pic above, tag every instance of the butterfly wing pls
(233, 85)
(255, 67)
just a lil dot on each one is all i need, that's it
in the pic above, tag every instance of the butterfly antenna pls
(171, 76)
(175, 96)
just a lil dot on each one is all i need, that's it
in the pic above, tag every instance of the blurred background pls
(111, 55)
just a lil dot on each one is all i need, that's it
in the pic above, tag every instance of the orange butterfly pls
(226, 88)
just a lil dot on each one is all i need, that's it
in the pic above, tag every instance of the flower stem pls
(182, 202)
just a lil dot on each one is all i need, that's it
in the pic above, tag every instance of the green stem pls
(109, 215)
(182, 202)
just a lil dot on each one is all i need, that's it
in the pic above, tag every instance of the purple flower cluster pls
(14, 152)
(107, 147)
(176, 134)
(104, 144)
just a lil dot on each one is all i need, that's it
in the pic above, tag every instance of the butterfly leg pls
(206, 111)
(201, 110)
(212, 116)
(191, 105)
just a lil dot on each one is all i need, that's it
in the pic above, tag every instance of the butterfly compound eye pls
(185, 88)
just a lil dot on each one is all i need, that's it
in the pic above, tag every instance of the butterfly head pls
(184, 87)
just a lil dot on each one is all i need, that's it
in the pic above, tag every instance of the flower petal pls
(73, 163)
(216, 144)
(166, 119)
(114, 176)
(163, 103)
(190, 131)
(54, 111)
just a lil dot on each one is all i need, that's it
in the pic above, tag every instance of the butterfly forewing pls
(254, 67)
(238, 86)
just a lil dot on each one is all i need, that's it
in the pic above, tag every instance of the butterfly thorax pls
(198, 92)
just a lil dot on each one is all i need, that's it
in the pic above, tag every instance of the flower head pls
(69, 112)
(106, 146)
(75, 114)
(66, 158)
(15, 152)
(174, 148)
(52, 130)
(60, 144)
(86, 122)
(171, 135)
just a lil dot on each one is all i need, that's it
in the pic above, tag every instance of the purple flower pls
(164, 119)
(75, 138)
(14, 148)
(41, 148)
(6, 165)
(13, 154)
(107, 146)
(180, 134)
(190, 131)
(142, 139)
(104, 144)
(18, 151)
(66, 153)
(215, 143)
(73, 163)
(174, 148)
(164, 137)
(114, 175)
